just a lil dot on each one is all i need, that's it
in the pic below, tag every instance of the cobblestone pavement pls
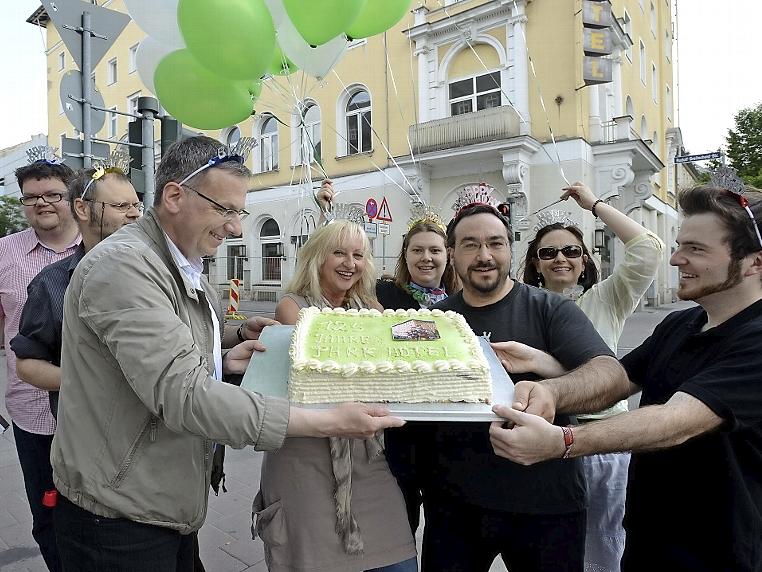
(225, 538)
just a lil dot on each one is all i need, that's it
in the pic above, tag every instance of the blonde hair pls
(315, 252)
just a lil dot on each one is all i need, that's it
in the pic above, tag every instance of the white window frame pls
(61, 61)
(474, 95)
(313, 128)
(627, 27)
(133, 59)
(654, 83)
(653, 19)
(359, 114)
(268, 142)
(113, 123)
(668, 101)
(112, 72)
(132, 103)
(267, 241)
(642, 55)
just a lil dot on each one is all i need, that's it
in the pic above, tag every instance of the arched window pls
(311, 144)
(233, 136)
(272, 251)
(358, 123)
(268, 145)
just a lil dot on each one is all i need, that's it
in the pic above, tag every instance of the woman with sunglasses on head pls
(557, 259)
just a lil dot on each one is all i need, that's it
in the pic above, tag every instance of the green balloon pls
(233, 38)
(254, 88)
(377, 17)
(281, 65)
(321, 20)
(197, 97)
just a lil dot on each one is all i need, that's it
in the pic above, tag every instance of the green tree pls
(745, 145)
(11, 216)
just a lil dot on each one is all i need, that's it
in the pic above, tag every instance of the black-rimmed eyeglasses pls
(550, 252)
(228, 213)
(744, 203)
(50, 198)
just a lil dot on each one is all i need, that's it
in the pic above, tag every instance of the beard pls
(734, 278)
(484, 287)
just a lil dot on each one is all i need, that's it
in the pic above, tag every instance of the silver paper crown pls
(116, 161)
(345, 211)
(43, 153)
(242, 148)
(474, 194)
(546, 218)
(421, 212)
(725, 177)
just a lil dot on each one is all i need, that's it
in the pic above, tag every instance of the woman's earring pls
(582, 276)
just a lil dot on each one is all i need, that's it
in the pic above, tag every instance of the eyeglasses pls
(471, 247)
(121, 207)
(550, 252)
(50, 198)
(227, 213)
(744, 203)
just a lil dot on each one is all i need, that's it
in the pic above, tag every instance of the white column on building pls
(521, 68)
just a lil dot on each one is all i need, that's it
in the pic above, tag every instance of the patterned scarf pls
(341, 464)
(426, 297)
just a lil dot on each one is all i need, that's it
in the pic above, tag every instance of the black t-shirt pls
(707, 492)
(392, 297)
(466, 467)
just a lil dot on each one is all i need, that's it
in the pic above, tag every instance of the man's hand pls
(521, 358)
(252, 327)
(530, 439)
(237, 359)
(532, 397)
(352, 420)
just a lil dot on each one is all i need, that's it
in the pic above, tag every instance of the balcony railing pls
(467, 129)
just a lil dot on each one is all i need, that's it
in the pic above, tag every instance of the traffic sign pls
(71, 85)
(371, 228)
(371, 208)
(72, 149)
(384, 228)
(701, 157)
(384, 213)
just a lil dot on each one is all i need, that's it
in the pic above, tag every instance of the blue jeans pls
(34, 456)
(405, 566)
(92, 543)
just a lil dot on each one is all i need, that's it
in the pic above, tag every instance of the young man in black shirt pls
(478, 505)
(694, 499)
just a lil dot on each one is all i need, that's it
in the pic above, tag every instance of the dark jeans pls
(34, 456)
(466, 538)
(91, 543)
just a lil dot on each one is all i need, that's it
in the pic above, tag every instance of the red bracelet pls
(568, 441)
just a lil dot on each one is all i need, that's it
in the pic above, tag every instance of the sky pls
(718, 73)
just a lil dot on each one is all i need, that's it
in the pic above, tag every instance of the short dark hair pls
(741, 236)
(78, 183)
(587, 278)
(475, 210)
(185, 156)
(43, 170)
(450, 279)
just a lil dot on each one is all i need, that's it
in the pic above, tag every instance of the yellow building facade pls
(460, 92)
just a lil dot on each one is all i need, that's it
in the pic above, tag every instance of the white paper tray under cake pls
(268, 374)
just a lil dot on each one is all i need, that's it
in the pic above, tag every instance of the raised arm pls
(622, 226)
(532, 439)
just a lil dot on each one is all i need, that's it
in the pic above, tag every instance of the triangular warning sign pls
(384, 213)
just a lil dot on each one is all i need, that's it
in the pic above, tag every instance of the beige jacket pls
(139, 411)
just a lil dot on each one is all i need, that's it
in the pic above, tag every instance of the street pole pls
(87, 152)
(148, 107)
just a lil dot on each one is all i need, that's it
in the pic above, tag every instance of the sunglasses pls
(550, 252)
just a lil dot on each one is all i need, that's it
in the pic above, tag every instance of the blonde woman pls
(332, 504)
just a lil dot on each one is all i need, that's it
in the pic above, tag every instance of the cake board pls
(268, 374)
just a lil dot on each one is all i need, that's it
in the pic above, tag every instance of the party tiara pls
(116, 162)
(345, 211)
(546, 218)
(420, 213)
(725, 177)
(471, 195)
(43, 154)
(238, 153)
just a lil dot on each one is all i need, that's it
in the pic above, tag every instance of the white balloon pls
(150, 53)
(157, 18)
(314, 61)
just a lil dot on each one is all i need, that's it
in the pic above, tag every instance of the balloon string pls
(388, 153)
